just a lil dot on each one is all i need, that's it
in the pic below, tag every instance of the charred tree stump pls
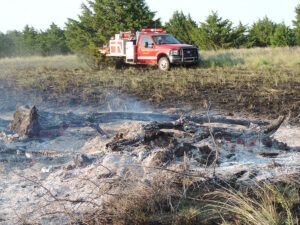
(25, 122)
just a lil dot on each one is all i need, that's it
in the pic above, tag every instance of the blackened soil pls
(265, 94)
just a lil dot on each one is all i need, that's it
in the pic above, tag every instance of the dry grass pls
(264, 204)
(51, 62)
(170, 199)
(254, 58)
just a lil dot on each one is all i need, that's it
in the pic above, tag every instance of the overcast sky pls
(15, 14)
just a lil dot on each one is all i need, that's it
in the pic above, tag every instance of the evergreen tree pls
(42, 40)
(102, 19)
(283, 36)
(260, 33)
(31, 44)
(6, 46)
(216, 33)
(181, 27)
(296, 23)
(18, 42)
(53, 41)
(239, 36)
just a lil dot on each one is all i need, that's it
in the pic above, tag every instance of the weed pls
(265, 204)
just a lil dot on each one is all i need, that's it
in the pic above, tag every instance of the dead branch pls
(272, 127)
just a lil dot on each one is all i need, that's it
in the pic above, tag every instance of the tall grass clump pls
(263, 204)
(288, 57)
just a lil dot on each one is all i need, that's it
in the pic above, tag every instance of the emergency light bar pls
(159, 30)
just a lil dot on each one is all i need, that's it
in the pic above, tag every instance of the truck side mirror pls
(146, 44)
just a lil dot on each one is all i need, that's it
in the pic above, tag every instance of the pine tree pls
(239, 37)
(53, 41)
(181, 27)
(296, 23)
(283, 36)
(31, 44)
(6, 46)
(216, 33)
(18, 42)
(260, 33)
(101, 19)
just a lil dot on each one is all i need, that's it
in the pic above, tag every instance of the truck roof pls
(144, 33)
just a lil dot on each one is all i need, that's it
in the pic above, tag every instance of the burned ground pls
(264, 93)
(71, 167)
(143, 141)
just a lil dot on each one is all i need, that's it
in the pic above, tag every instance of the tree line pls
(99, 20)
(32, 42)
(218, 33)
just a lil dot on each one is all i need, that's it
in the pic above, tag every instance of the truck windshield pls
(165, 40)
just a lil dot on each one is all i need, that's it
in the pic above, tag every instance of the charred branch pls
(272, 127)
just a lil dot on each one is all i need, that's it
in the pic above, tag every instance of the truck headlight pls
(174, 52)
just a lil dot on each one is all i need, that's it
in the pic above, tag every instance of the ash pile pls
(62, 158)
(214, 146)
(127, 141)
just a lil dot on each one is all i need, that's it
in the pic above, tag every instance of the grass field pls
(260, 81)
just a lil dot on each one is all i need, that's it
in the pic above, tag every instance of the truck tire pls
(164, 64)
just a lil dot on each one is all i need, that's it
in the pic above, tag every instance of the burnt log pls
(182, 148)
(269, 142)
(123, 144)
(159, 139)
(272, 127)
(111, 116)
(269, 154)
(25, 122)
(216, 119)
(163, 125)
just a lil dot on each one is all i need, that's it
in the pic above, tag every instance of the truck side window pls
(147, 40)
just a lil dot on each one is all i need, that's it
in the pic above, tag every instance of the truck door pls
(146, 50)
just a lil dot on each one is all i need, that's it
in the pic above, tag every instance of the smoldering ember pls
(55, 164)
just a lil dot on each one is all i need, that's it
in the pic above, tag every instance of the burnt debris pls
(25, 122)
(165, 136)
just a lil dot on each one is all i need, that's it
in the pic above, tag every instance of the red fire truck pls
(151, 46)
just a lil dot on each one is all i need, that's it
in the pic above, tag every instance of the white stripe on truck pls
(147, 57)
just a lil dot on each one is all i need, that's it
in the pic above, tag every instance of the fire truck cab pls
(151, 46)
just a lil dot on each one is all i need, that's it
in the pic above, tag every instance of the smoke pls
(124, 103)
(10, 98)
(111, 102)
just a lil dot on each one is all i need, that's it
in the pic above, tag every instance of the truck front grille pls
(190, 52)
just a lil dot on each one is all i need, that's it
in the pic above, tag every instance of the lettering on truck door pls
(147, 50)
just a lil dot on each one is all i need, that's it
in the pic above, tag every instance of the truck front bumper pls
(174, 59)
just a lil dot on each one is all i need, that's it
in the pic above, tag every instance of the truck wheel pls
(164, 64)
